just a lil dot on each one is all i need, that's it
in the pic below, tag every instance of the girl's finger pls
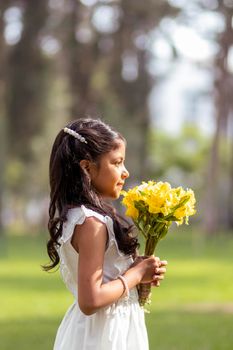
(155, 284)
(158, 277)
(160, 270)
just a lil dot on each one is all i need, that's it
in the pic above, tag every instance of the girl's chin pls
(117, 194)
(112, 196)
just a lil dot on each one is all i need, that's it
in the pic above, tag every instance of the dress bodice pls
(115, 262)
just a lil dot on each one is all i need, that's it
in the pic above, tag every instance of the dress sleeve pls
(77, 216)
(68, 255)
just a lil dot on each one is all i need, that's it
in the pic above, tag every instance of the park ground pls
(192, 310)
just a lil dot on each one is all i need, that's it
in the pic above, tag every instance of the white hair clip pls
(75, 134)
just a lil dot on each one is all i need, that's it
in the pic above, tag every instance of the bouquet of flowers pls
(153, 206)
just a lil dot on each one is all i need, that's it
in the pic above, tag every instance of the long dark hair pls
(70, 186)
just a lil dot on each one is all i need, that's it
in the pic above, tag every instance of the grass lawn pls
(193, 308)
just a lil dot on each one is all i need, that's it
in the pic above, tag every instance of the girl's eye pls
(119, 163)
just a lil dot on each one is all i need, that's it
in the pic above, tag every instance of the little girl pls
(94, 245)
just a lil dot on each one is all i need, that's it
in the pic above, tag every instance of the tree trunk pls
(26, 92)
(230, 196)
(211, 203)
(213, 207)
(3, 138)
(80, 60)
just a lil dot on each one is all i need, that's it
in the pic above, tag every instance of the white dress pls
(120, 326)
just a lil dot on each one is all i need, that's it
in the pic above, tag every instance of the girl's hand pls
(160, 272)
(151, 268)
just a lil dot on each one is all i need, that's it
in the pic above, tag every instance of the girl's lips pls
(120, 186)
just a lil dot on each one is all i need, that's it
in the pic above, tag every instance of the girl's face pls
(109, 175)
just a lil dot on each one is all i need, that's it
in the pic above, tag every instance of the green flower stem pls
(151, 243)
(144, 289)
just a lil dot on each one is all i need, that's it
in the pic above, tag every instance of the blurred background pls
(161, 72)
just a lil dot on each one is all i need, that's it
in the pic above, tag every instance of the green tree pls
(108, 67)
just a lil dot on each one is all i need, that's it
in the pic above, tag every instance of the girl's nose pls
(125, 173)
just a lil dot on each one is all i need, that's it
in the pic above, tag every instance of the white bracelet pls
(125, 284)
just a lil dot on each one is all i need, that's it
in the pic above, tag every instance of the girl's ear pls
(85, 165)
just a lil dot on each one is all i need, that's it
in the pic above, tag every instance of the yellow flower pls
(158, 198)
(129, 200)
(187, 209)
(153, 206)
(132, 212)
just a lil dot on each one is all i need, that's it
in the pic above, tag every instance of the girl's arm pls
(90, 240)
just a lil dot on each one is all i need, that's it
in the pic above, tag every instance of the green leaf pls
(171, 218)
(164, 232)
(141, 225)
(147, 228)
